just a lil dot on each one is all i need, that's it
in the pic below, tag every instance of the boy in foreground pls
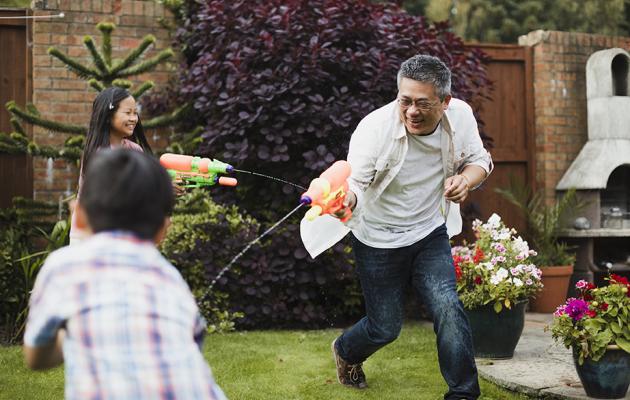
(113, 309)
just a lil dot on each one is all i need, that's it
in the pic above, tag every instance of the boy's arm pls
(46, 356)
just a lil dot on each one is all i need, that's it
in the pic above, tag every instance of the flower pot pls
(556, 280)
(495, 335)
(607, 378)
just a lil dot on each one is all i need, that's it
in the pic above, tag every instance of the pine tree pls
(104, 72)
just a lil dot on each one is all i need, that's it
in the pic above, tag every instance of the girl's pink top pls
(77, 234)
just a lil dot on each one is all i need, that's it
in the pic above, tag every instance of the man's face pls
(419, 106)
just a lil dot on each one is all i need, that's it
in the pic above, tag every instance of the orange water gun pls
(189, 171)
(325, 194)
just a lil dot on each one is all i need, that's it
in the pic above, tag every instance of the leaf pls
(624, 344)
(615, 328)
(498, 307)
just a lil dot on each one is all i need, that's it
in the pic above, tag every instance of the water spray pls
(250, 244)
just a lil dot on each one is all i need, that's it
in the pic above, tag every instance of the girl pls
(114, 123)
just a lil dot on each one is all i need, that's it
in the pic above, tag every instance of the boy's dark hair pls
(126, 190)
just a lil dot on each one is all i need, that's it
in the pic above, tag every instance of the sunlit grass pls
(283, 365)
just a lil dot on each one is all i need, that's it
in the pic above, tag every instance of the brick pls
(138, 7)
(42, 38)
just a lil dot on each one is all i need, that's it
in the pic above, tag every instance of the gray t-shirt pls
(409, 208)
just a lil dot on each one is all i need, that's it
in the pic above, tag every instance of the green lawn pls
(283, 365)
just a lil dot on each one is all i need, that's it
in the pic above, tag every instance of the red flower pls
(614, 278)
(478, 255)
(478, 280)
(604, 306)
(457, 260)
(458, 272)
(590, 286)
(591, 313)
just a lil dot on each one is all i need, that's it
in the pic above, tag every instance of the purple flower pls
(576, 308)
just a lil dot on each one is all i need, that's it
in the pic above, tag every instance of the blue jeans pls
(384, 274)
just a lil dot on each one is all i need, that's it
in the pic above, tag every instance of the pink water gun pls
(325, 194)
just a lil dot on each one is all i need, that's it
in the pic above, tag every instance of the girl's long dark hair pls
(103, 109)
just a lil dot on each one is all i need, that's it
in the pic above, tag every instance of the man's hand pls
(350, 201)
(456, 188)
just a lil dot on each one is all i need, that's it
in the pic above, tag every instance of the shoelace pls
(354, 372)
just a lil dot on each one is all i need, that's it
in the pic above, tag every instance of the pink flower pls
(581, 284)
(499, 247)
(560, 311)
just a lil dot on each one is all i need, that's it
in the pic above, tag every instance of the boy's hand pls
(47, 356)
(456, 188)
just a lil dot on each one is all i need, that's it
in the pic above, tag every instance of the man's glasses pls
(422, 105)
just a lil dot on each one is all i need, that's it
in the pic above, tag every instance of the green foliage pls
(105, 72)
(544, 221)
(15, 3)
(272, 284)
(192, 225)
(26, 237)
(597, 319)
(496, 268)
(505, 20)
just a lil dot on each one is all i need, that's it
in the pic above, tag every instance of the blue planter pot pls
(495, 335)
(607, 378)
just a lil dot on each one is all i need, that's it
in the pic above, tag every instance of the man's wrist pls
(467, 180)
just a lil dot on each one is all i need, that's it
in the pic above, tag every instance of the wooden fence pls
(16, 171)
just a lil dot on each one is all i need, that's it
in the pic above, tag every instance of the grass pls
(283, 364)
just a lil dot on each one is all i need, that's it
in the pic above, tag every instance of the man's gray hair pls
(428, 69)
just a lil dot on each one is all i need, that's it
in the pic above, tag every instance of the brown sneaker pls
(348, 374)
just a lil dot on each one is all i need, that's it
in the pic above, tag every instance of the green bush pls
(266, 286)
(28, 233)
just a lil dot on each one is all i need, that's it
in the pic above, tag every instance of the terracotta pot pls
(556, 280)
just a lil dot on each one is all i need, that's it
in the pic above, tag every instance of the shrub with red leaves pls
(279, 87)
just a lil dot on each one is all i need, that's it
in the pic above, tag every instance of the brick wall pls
(560, 98)
(60, 95)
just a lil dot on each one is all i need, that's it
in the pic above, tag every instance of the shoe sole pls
(334, 353)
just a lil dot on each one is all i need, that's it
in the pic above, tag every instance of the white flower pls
(495, 280)
(517, 282)
(520, 245)
(494, 221)
(488, 266)
(502, 273)
(502, 234)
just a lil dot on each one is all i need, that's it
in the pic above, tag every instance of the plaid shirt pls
(133, 328)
